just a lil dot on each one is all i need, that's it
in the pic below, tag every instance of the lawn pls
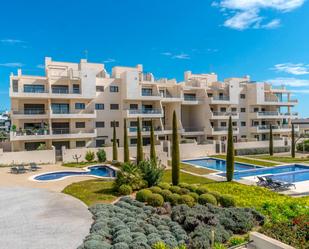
(192, 169)
(282, 159)
(92, 191)
(79, 165)
(249, 161)
(185, 178)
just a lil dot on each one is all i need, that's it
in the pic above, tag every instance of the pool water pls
(218, 164)
(102, 171)
(270, 171)
(292, 177)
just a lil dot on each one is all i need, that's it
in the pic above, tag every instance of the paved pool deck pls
(39, 218)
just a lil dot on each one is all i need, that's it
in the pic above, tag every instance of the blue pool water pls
(218, 164)
(292, 177)
(270, 171)
(103, 171)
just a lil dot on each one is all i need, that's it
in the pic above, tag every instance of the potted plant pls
(14, 129)
(45, 129)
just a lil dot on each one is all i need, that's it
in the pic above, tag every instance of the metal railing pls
(223, 98)
(193, 129)
(33, 111)
(225, 113)
(223, 129)
(145, 111)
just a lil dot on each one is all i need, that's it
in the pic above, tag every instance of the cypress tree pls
(175, 152)
(126, 152)
(293, 142)
(271, 142)
(153, 155)
(115, 152)
(230, 153)
(139, 149)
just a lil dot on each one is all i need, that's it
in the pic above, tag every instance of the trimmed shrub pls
(184, 191)
(194, 195)
(215, 194)
(89, 156)
(173, 199)
(166, 194)
(125, 189)
(187, 199)
(236, 240)
(164, 185)
(155, 200)
(207, 198)
(175, 189)
(202, 190)
(193, 187)
(101, 155)
(155, 189)
(143, 195)
(227, 201)
(184, 185)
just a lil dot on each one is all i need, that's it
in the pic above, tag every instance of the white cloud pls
(11, 64)
(181, 56)
(167, 53)
(244, 14)
(292, 82)
(11, 41)
(109, 60)
(40, 66)
(291, 68)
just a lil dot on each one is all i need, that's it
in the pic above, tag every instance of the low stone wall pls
(193, 150)
(258, 144)
(261, 241)
(26, 157)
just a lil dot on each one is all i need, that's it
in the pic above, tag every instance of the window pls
(222, 109)
(242, 109)
(234, 109)
(15, 86)
(234, 123)
(80, 144)
(189, 96)
(116, 123)
(133, 141)
(60, 89)
(76, 89)
(99, 106)
(99, 88)
(146, 92)
(133, 106)
(114, 106)
(80, 125)
(100, 124)
(99, 142)
(243, 123)
(34, 109)
(33, 88)
(133, 123)
(223, 124)
(114, 89)
(256, 109)
(80, 106)
(59, 108)
(242, 96)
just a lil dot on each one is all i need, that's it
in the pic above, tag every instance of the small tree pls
(230, 153)
(153, 155)
(89, 156)
(271, 142)
(115, 152)
(293, 142)
(152, 172)
(139, 149)
(76, 157)
(126, 152)
(175, 152)
(101, 155)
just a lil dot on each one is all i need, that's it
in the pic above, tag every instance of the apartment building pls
(77, 105)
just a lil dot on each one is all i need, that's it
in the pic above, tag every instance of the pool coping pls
(85, 169)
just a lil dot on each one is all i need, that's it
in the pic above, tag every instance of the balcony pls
(45, 134)
(194, 131)
(30, 114)
(274, 115)
(220, 100)
(279, 102)
(145, 113)
(275, 128)
(224, 115)
(223, 131)
(191, 100)
(82, 114)
(149, 95)
(170, 98)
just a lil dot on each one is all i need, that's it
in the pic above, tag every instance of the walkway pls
(38, 218)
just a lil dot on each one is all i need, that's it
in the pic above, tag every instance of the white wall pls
(26, 157)
(261, 241)
(258, 144)
(193, 150)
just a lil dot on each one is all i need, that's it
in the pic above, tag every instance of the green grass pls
(92, 191)
(192, 169)
(249, 161)
(79, 165)
(185, 178)
(283, 159)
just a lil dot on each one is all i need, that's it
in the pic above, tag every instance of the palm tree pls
(175, 152)
(230, 153)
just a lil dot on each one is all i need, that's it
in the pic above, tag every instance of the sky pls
(268, 40)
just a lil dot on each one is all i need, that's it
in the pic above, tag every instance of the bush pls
(152, 171)
(207, 198)
(89, 156)
(175, 189)
(173, 199)
(236, 240)
(216, 194)
(184, 185)
(202, 190)
(129, 174)
(187, 199)
(184, 191)
(155, 189)
(227, 201)
(192, 187)
(155, 200)
(143, 195)
(194, 195)
(101, 155)
(166, 194)
(125, 189)
(164, 185)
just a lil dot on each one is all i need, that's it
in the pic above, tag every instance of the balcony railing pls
(194, 129)
(189, 98)
(268, 99)
(225, 113)
(29, 112)
(223, 129)
(144, 128)
(274, 127)
(145, 111)
(277, 114)
(223, 98)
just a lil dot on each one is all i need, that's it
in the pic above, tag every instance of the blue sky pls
(268, 40)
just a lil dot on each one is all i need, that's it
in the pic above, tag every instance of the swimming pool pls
(300, 176)
(270, 171)
(218, 164)
(98, 171)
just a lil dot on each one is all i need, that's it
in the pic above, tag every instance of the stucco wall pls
(261, 241)
(258, 144)
(26, 157)
(196, 150)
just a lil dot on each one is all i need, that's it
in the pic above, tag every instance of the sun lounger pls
(34, 167)
(279, 185)
(262, 182)
(21, 168)
(14, 170)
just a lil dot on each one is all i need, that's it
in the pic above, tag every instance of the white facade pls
(75, 104)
